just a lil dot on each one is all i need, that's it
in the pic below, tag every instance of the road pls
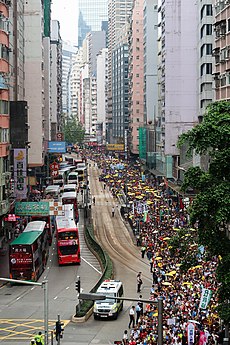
(20, 302)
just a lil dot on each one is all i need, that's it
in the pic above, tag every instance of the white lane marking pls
(56, 297)
(33, 286)
(88, 263)
(67, 288)
(18, 298)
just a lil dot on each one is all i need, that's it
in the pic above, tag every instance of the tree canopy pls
(73, 131)
(211, 206)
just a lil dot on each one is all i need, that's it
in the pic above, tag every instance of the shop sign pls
(20, 170)
(32, 208)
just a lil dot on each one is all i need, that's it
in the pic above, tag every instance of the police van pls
(109, 307)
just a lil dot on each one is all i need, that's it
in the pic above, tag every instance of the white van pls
(109, 307)
(72, 177)
(52, 192)
(72, 187)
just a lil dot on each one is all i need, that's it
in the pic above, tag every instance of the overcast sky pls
(66, 12)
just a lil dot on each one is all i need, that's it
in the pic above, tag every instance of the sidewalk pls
(4, 262)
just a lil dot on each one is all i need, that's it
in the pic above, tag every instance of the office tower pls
(68, 51)
(92, 17)
(118, 15)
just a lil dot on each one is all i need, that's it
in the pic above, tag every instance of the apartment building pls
(75, 83)
(136, 75)
(221, 50)
(4, 111)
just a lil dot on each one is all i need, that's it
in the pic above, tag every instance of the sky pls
(66, 12)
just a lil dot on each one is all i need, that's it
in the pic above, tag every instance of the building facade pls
(75, 83)
(136, 75)
(222, 50)
(56, 80)
(4, 111)
(92, 17)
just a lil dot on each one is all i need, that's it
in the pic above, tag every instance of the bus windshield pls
(67, 235)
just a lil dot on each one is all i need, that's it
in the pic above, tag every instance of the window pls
(209, 49)
(209, 29)
(208, 68)
(209, 10)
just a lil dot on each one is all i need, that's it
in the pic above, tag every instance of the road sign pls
(54, 166)
(56, 209)
(54, 173)
(60, 136)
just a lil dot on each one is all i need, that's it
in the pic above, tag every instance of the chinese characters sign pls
(205, 298)
(41, 208)
(20, 168)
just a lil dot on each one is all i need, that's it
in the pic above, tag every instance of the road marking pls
(67, 288)
(56, 297)
(88, 263)
(18, 298)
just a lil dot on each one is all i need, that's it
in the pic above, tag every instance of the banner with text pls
(20, 172)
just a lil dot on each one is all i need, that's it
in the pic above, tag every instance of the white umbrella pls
(194, 321)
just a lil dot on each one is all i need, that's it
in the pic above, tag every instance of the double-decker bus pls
(68, 246)
(70, 198)
(28, 253)
(49, 225)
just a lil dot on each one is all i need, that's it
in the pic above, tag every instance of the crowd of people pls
(189, 297)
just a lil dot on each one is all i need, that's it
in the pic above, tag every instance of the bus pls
(68, 246)
(49, 220)
(70, 198)
(82, 176)
(52, 192)
(71, 187)
(28, 253)
(112, 306)
(61, 178)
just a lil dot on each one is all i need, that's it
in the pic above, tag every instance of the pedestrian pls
(125, 339)
(143, 250)
(113, 211)
(141, 304)
(104, 185)
(94, 200)
(139, 282)
(138, 312)
(39, 339)
(132, 316)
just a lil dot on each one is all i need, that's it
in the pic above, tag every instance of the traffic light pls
(59, 330)
(78, 285)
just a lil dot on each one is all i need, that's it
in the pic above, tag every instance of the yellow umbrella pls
(155, 314)
(166, 284)
(178, 265)
(172, 272)
(149, 202)
(198, 266)
(176, 229)
(166, 238)
(158, 258)
(169, 274)
(186, 283)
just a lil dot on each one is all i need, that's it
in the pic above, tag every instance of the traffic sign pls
(54, 166)
(60, 136)
(54, 173)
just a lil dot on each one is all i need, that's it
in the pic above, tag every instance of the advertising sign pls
(20, 172)
(57, 146)
(115, 147)
(60, 136)
(40, 208)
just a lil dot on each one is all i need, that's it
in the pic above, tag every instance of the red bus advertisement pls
(68, 246)
(49, 225)
(28, 253)
(70, 198)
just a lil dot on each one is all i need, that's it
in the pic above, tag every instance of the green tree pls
(211, 206)
(73, 131)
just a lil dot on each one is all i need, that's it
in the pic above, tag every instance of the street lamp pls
(44, 285)
(158, 303)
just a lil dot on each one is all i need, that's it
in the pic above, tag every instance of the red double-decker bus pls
(68, 245)
(70, 198)
(28, 253)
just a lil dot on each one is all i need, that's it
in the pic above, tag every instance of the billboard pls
(40, 208)
(20, 172)
(115, 147)
(57, 147)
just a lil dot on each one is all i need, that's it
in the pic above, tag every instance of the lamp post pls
(158, 303)
(44, 285)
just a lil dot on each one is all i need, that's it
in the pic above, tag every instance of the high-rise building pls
(118, 15)
(92, 17)
(75, 83)
(222, 50)
(136, 74)
(178, 79)
(68, 51)
(56, 79)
